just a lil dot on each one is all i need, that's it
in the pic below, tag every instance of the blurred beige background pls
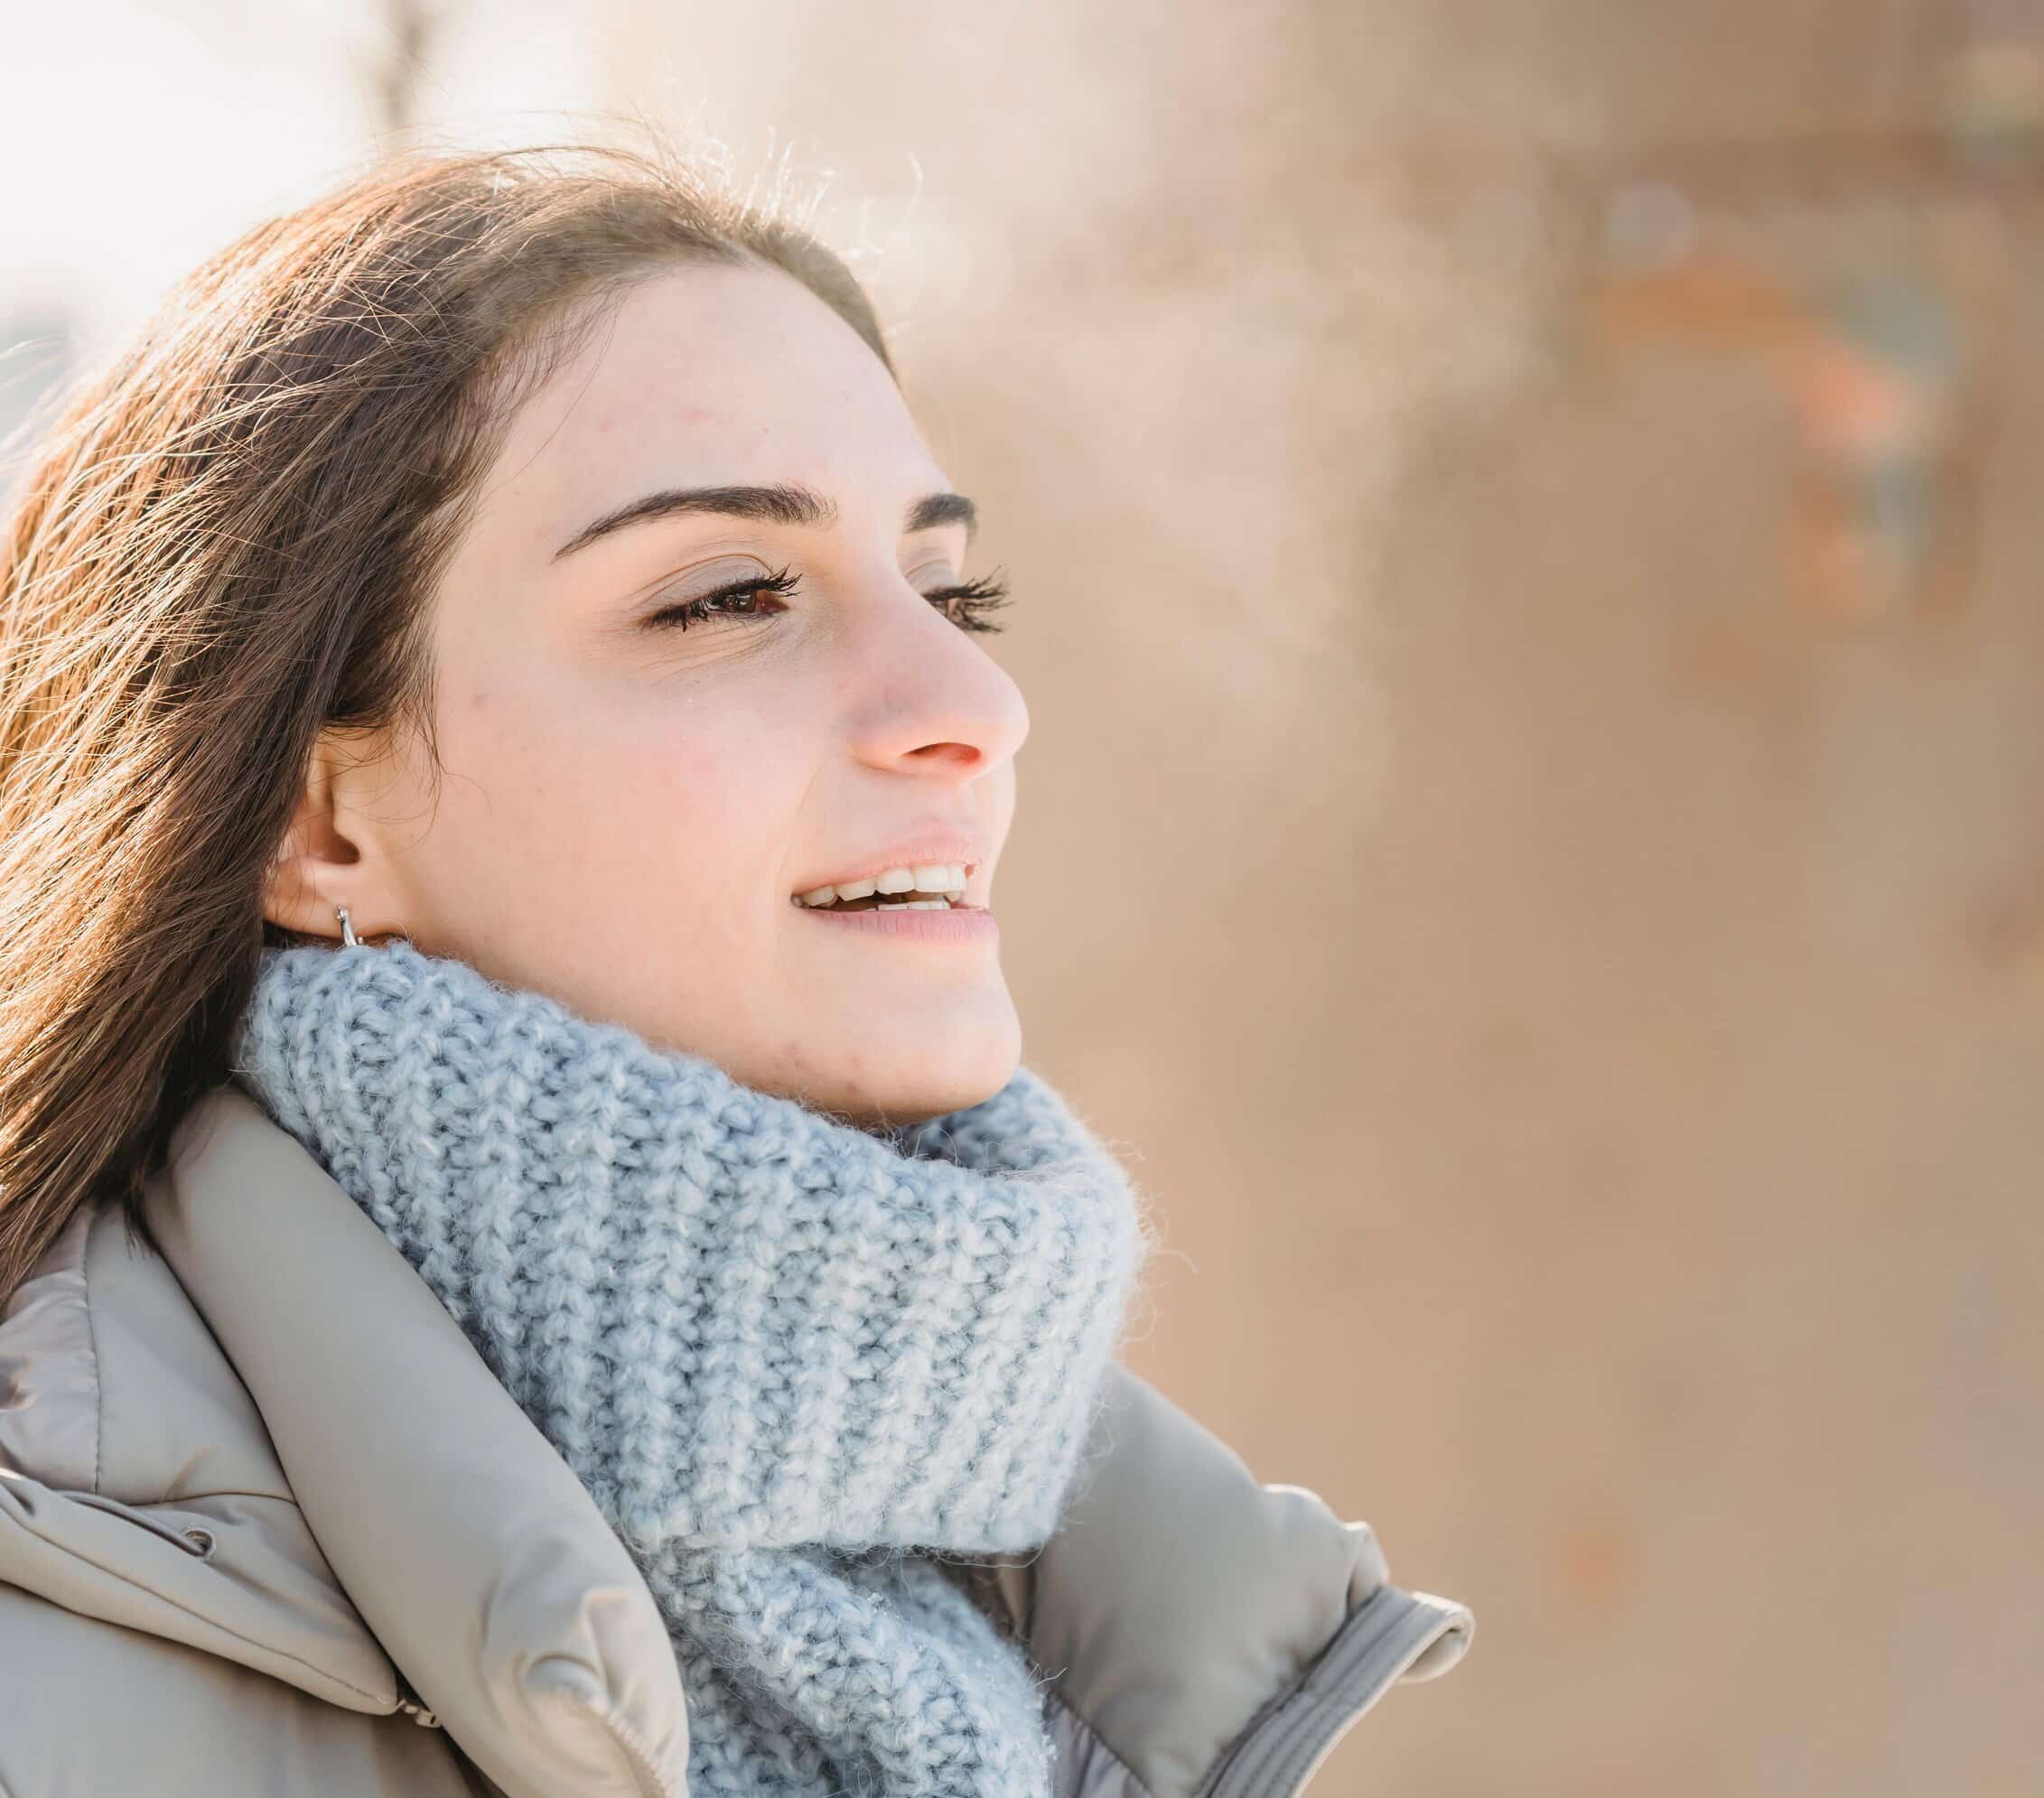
(1524, 523)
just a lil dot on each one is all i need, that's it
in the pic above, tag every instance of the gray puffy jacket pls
(269, 1526)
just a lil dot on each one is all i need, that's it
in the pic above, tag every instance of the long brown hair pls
(225, 545)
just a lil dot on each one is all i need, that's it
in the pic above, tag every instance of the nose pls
(930, 698)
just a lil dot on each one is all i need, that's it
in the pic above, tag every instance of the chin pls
(916, 1094)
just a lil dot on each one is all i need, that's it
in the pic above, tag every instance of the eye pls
(969, 602)
(726, 602)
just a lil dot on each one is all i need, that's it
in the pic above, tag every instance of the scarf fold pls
(782, 1354)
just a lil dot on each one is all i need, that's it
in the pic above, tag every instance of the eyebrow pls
(785, 504)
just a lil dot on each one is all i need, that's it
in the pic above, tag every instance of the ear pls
(335, 851)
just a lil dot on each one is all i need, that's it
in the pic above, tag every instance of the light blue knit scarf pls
(782, 1352)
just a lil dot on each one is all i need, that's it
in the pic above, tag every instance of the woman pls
(519, 1207)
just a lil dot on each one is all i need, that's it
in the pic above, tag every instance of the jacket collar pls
(267, 1439)
(138, 1485)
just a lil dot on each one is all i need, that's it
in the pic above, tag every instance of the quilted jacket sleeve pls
(1205, 1636)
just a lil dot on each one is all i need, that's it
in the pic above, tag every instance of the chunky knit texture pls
(786, 1357)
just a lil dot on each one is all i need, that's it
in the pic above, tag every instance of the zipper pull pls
(420, 1714)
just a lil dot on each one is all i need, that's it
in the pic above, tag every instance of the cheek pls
(623, 807)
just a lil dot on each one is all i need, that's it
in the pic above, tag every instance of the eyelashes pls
(719, 601)
(968, 603)
(971, 601)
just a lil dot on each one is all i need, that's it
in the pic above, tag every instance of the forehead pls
(702, 377)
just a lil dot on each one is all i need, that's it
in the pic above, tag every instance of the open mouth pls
(880, 901)
(931, 887)
(901, 902)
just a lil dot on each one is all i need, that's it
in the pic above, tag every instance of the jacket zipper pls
(407, 1702)
(643, 1770)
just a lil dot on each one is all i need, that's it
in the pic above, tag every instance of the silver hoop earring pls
(349, 940)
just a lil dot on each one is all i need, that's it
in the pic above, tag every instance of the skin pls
(622, 811)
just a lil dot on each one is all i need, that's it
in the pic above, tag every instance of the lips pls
(961, 926)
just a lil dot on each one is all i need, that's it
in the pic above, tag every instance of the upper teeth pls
(933, 878)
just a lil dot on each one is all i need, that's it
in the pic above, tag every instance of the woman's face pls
(628, 803)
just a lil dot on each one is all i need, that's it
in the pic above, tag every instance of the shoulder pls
(89, 1708)
(1206, 1630)
(168, 1623)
